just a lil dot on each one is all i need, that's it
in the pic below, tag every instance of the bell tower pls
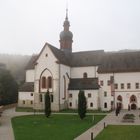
(66, 36)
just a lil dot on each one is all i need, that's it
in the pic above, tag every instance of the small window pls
(85, 75)
(105, 93)
(122, 86)
(91, 104)
(49, 82)
(70, 104)
(105, 105)
(116, 86)
(51, 98)
(70, 95)
(101, 83)
(128, 85)
(31, 94)
(23, 102)
(111, 79)
(137, 85)
(43, 82)
(89, 95)
(40, 98)
(108, 82)
(31, 102)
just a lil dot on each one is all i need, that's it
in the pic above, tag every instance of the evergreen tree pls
(8, 88)
(47, 104)
(82, 104)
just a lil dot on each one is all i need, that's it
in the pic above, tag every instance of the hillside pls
(16, 64)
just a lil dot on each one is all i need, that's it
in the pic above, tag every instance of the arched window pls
(49, 82)
(91, 104)
(43, 82)
(85, 75)
(40, 98)
(105, 105)
(133, 98)
(70, 104)
(64, 87)
(119, 98)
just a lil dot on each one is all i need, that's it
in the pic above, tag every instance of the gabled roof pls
(83, 84)
(31, 63)
(60, 55)
(120, 62)
(76, 59)
(87, 58)
(107, 62)
(27, 87)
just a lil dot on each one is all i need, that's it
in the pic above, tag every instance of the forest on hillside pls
(16, 65)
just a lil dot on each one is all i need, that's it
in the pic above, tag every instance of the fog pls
(111, 25)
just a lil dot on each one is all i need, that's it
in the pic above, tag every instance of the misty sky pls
(25, 25)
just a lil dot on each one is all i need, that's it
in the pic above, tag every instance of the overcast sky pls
(111, 25)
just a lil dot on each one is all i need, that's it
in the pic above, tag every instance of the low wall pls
(9, 106)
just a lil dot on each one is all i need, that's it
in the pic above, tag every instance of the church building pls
(109, 79)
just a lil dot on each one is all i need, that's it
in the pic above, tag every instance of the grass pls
(57, 127)
(26, 109)
(120, 132)
(88, 111)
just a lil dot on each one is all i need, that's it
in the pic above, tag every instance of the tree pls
(47, 104)
(8, 88)
(82, 104)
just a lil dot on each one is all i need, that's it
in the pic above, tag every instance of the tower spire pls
(66, 13)
(66, 36)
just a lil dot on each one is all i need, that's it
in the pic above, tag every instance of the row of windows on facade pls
(47, 82)
(133, 98)
(88, 95)
(24, 102)
(122, 85)
(40, 98)
(90, 105)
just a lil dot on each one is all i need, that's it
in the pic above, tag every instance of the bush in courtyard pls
(82, 104)
(47, 104)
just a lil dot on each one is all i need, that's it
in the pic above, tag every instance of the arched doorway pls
(119, 102)
(133, 102)
(133, 106)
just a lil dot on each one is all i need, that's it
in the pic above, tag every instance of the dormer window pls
(85, 75)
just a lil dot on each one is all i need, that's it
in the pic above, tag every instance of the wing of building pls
(109, 79)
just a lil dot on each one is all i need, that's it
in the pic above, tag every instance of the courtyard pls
(26, 125)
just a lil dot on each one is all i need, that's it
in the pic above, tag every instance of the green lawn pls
(27, 109)
(120, 132)
(57, 127)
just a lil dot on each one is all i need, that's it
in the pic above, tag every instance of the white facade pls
(77, 72)
(107, 97)
(26, 99)
(124, 86)
(30, 76)
(92, 98)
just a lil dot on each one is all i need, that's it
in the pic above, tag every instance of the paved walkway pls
(109, 119)
(6, 131)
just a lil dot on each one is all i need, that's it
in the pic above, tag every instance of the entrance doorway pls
(133, 106)
(119, 102)
(133, 101)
